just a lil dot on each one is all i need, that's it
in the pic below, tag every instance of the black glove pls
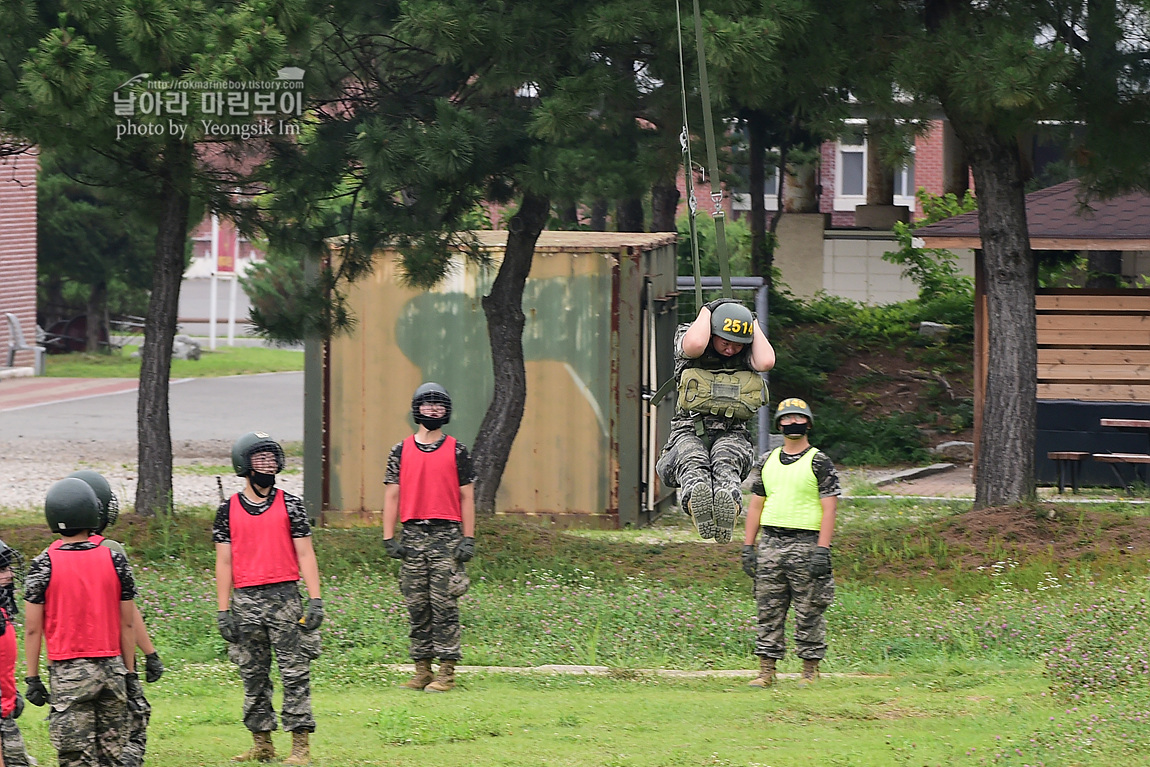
(394, 548)
(465, 550)
(713, 305)
(750, 559)
(36, 692)
(153, 667)
(18, 709)
(820, 565)
(228, 628)
(314, 615)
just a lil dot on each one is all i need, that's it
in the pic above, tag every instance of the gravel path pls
(29, 467)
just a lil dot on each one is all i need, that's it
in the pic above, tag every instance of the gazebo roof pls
(1058, 220)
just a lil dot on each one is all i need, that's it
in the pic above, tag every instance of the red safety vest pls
(95, 538)
(429, 482)
(7, 667)
(262, 547)
(82, 605)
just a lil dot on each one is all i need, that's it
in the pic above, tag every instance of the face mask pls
(795, 430)
(263, 482)
(431, 423)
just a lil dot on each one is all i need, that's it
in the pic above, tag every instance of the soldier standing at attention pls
(12, 750)
(794, 498)
(79, 601)
(139, 710)
(429, 489)
(718, 359)
(263, 548)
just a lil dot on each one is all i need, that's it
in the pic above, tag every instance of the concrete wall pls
(846, 263)
(18, 248)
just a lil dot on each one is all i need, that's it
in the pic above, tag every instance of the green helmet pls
(71, 506)
(733, 322)
(251, 443)
(109, 503)
(794, 406)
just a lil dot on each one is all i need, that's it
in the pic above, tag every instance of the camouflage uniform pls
(88, 720)
(268, 617)
(783, 579)
(721, 455)
(12, 742)
(139, 713)
(424, 577)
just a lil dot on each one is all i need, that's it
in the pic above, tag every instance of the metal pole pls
(214, 290)
(232, 310)
(761, 309)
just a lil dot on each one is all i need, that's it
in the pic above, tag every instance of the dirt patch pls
(1060, 537)
(1060, 534)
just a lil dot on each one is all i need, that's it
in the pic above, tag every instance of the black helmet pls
(734, 322)
(430, 393)
(109, 503)
(11, 558)
(251, 443)
(71, 506)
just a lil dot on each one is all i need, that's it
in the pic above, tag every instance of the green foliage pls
(934, 270)
(850, 438)
(91, 240)
(738, 245)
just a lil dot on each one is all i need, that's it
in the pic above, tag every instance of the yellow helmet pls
(794, 406)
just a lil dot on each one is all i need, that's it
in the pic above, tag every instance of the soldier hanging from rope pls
(718, 359)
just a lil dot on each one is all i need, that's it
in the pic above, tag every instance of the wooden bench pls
(1134, 459)
(1064, 459)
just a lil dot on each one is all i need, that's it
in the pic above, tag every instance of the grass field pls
(224, 361)
(1021, 641)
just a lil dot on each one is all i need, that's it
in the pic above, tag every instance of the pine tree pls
(62, 64)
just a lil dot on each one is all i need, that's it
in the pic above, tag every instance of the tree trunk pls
(1006, 442)
(879, 175)
(503, 307)
(599, 215)
(154, 492)
(629, 215)
(757, 166)
(569, 214)
(95, 321)
(664, 204)
(1105, 268)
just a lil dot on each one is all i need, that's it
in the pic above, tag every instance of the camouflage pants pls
(268, 617)
(88, 720)
(12, 744)
(423, 578)
(783, 581)
(721, 459)
(139, 712)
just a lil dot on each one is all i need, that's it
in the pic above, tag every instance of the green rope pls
(712, 161)
(689, 167)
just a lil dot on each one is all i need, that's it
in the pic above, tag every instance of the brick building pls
(18, 245)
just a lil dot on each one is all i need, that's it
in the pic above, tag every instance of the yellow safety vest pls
(792, 493)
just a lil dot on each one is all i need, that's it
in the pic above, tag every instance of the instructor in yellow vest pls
(793, 502)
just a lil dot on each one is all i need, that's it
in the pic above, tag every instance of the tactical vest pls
(263, 551)
(792, 493)
(729, 393)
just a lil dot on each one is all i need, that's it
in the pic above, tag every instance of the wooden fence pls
(1094, 345)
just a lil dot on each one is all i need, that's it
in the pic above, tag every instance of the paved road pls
(200, 409)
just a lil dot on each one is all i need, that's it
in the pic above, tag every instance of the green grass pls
(911, 719)
(1021, 660)
(225, 361)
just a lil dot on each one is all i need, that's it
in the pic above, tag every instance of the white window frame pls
(848, 202)
(770, 199)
